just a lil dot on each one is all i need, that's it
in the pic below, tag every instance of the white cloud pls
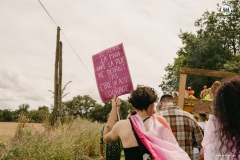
(148, 29)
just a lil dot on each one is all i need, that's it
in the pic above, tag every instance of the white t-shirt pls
(210, 143)
(202, 125)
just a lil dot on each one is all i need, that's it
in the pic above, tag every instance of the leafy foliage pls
(215, 46)
(40, 115)
(79, 106)
(100, 113)
(37, 116)
(8, 116)
(83, 106)
(23, 108)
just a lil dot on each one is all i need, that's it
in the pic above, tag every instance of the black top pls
(133, 153)
(136, 153)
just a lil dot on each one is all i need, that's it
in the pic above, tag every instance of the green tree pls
(68, 109)
(1, 115)
(125, 107)
(23, 108)
(7, 115)
(44, 108)
(79, 105)
(232, 65)
(215, 46)
(38, 116)
(99, 113)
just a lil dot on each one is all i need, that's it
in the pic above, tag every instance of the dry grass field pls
(8, 130)
(78, 140)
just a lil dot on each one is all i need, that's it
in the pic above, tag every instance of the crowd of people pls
(172, 133)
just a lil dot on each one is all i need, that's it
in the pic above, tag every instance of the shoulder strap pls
(143, 149)
(145, 119)
(201, 130)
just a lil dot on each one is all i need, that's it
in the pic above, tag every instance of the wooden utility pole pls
(57, 80)
(60, 80)
(56, 69)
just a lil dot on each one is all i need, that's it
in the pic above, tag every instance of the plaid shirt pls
(184, 127)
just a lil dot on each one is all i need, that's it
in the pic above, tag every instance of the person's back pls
(182, 123)
(202, 121)
(131, 147)
(222, 131)
(128, 139)
(130, 144)
(144, 125)
(202, 117)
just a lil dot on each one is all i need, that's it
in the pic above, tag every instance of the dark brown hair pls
(166, 98)
(202, 115)
(227, 110)
(142, 97)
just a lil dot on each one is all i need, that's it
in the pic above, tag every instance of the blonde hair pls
(214, 88)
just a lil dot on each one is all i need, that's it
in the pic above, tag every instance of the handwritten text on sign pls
(112, 73)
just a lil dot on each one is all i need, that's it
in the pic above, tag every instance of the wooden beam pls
(193, 101)
(204, 72)
(203, 106)
(182, 84)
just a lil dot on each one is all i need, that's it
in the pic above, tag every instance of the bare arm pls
(201, 95)
(110, 133)
(101, 148)
(101, 151)
(101, 145)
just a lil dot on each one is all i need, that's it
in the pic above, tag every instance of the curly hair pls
(227, 110)
(142, 97)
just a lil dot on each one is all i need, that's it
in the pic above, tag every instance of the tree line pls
(80, 106)
(36, 116)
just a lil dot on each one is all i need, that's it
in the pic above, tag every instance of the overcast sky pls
(148, 30)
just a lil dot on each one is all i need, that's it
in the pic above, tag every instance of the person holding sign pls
(143, 135)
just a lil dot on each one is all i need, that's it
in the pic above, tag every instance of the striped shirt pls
(184, 127)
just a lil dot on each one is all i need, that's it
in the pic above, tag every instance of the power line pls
(67, 40)
(47, 12)
(77, 55)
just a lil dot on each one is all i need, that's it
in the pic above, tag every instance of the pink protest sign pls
(112, 73)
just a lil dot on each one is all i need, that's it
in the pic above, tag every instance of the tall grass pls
(77, 140)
